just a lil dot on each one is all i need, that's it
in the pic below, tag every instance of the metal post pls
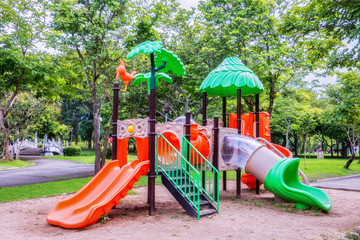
(152, 134)
(224, 125)
(238, 122)
(204, 109)
(187, 136)
(257, 114)
(204, 122)
(115, 114)
(216, 151)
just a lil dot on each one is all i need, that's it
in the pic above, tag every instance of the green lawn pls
(87, 156)
(319, 169)
(327, 168)
(54, 188)
(16, 163)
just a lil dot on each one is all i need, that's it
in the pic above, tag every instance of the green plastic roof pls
(229, 76)
(173, 63)
(145, 47)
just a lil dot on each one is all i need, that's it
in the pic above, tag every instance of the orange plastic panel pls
(122, 151)
(98, 196)
(248, 120)
(200, 142)
(142, 146)
(249, 180)
(283, 150)
(264, 126)
(164, 149)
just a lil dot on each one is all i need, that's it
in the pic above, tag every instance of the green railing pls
(180, 171)
(209, 174)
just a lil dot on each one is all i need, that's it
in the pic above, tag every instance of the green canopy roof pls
(229, 76)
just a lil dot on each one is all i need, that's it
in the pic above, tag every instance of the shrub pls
(108, 153)
(40, 145)
(72, 151)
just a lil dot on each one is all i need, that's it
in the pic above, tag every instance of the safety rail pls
(180, 172)
(209, 174)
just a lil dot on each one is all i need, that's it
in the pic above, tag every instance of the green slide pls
(283, 181)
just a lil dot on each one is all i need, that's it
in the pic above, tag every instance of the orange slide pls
(98, 196)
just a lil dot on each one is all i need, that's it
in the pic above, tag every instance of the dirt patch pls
(251, 217)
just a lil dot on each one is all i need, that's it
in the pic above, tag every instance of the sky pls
(188, 4)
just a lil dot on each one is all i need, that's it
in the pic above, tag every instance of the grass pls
(327, 168)
(87, 157)
(16, 163)
(42, 189)
(319, 168)
(54, 188)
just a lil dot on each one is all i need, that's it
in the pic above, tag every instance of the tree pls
(86, 27)
(332, 18)
(345, 98)
(256, 32)
(22, 67)
(73, 111)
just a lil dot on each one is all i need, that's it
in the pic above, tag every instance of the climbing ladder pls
(190, 178)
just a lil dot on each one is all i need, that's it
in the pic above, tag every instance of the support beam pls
(204, 122)
(204, 102)
(216, 152)
(115, 114)
(152, 135)
(238, 121)
(224, 125)
(257, 117)
(187, 136)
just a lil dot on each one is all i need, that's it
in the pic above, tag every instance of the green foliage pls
(336, 20)
(108, 153)
(104, 218)
(72, 151)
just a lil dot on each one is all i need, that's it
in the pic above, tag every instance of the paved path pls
(343, 183)
(45, 170)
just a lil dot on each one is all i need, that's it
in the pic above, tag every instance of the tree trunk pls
(18, 146)
(331, 148)
(89, 139)
(343, 150)
(97, 144)
(249, 101)
(6, 140)
(359, 150)
(107, 136)
(75, 134)
(351, 159)
(337, 148)
(287, 136)
(305, 150)
(271, 98)
(296, 144)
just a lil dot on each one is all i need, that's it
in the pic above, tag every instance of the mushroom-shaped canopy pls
(229, 76)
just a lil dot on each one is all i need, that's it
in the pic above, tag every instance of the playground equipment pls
(188, 156)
